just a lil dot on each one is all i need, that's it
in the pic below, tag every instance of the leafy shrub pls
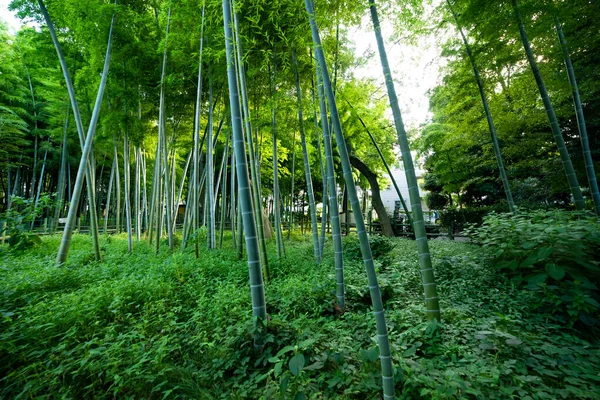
(19, 218)
(456, 219)
(381, 246)
(170, 325)
(555, 253)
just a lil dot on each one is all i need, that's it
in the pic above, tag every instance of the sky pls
(8, 17)
(415, 68)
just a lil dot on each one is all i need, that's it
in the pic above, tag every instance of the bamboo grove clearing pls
(189, 190)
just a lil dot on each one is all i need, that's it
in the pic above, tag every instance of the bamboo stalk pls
(585, 145)
(259, 309)
(558, 138)
(68, 232)
(382, 336)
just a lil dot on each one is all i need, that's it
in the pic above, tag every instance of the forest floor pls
(143, 325)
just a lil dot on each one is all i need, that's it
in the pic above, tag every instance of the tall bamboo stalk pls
(87, 148)
(181, 185)
(118, 191)
(137, 193)
(253, 155)
(259, 309)
(291, 199)
(321, 164)
(488, 114)
(162, 133)
(62, 178)
(332, 196)
(387, 372)
(585, 145)
(80, 129)
(307, 175)
(558, 138)
(109, 194)
(223, 192)
(127, 190)
(426, 267)
(210, 176)
(194, 187)
(40, 183)
(276, 197)
(232, 200)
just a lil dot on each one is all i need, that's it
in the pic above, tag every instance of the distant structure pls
(390, 199)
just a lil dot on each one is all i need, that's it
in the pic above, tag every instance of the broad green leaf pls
(409, 352)
(554, 271)
(508, 264)
(537, 279)
(513, 342)
(537, 256)
(283, 351)
(314, 366)
(587, 264)
(487, 346)
(284, 383)
(371, 354)
(593, 302)
(296, 364)
(306, 343)
(277, 369)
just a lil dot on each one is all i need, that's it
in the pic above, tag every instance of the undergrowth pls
(172, 326)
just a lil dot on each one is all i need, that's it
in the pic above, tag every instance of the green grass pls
(173, 326)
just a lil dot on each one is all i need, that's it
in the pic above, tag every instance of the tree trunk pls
(276, 198)
(385, 164)
(210, 176)
(386, 226)
(307, 174)
(127, 191)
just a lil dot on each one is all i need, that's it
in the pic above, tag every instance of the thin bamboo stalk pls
(426, 267)
(68, 232)
(585, 145)
(488, 113)
(387, 371)
(307, 175)
(558, 138)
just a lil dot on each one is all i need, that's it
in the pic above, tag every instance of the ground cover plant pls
(142, 325)
(197, 142)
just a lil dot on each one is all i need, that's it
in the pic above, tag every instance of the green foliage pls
(553, 253)
(381, 246)
(456, 143)
(18, 221)
(169, 325)
(457, 219)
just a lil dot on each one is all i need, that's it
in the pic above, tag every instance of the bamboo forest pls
(299, 199)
